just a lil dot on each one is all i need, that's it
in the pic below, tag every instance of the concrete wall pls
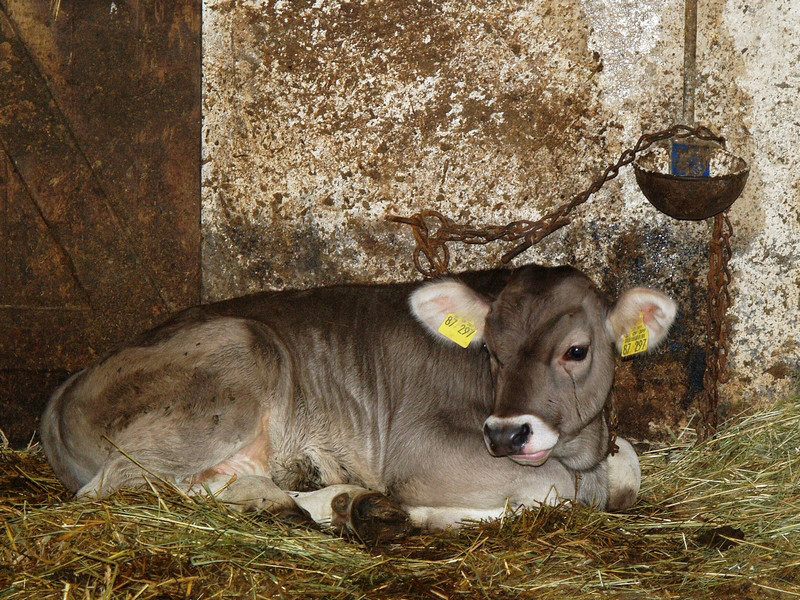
(320, 118)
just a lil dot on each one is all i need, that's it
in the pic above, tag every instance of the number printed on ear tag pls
(458, 329)
(635, 341)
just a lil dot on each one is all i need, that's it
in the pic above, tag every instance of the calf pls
(347, 404)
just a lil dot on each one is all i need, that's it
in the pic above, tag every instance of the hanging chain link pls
(432, 247)
(717, 324)
(612, 421)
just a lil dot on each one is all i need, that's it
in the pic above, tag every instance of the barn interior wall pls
(322, 118)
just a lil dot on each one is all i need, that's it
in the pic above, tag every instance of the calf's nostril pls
(487, 435)
(519, 438)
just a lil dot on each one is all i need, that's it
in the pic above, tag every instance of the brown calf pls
(323, 401)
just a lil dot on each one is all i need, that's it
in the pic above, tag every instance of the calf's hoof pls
(371, 516)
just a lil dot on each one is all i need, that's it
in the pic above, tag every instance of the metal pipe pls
(689, 60)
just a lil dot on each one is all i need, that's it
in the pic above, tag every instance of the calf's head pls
(551, 338)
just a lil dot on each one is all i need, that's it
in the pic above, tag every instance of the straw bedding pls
(716, 520)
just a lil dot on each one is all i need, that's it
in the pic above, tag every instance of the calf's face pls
(551, 339)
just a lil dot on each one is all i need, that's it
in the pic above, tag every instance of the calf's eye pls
(576, 353)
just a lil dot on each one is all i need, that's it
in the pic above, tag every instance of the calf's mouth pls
(525, 439)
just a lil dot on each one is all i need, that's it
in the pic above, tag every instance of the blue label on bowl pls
(690, 160)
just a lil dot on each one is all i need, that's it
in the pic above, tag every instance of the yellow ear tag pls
(635, 341)
(458, 329)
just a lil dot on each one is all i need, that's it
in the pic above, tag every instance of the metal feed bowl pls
(691, 197)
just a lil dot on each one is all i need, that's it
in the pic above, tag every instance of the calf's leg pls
(250, 493)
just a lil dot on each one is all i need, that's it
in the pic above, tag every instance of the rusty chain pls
(612, 421)
(717, 324)
(433, 247)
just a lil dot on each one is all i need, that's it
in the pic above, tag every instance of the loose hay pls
(713, 521)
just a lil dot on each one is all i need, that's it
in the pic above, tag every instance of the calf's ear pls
(657, 311)
(433, 302)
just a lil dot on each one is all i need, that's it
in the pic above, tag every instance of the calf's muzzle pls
(506, 439)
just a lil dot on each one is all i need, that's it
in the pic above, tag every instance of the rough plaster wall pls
(326, 117)
(760, 46)
(321, 118)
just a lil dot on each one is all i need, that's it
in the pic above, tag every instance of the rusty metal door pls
(99, 184)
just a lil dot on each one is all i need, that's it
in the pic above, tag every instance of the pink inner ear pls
(443, 302)
(649, 312)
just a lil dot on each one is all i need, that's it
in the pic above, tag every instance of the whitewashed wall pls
(320, 118)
